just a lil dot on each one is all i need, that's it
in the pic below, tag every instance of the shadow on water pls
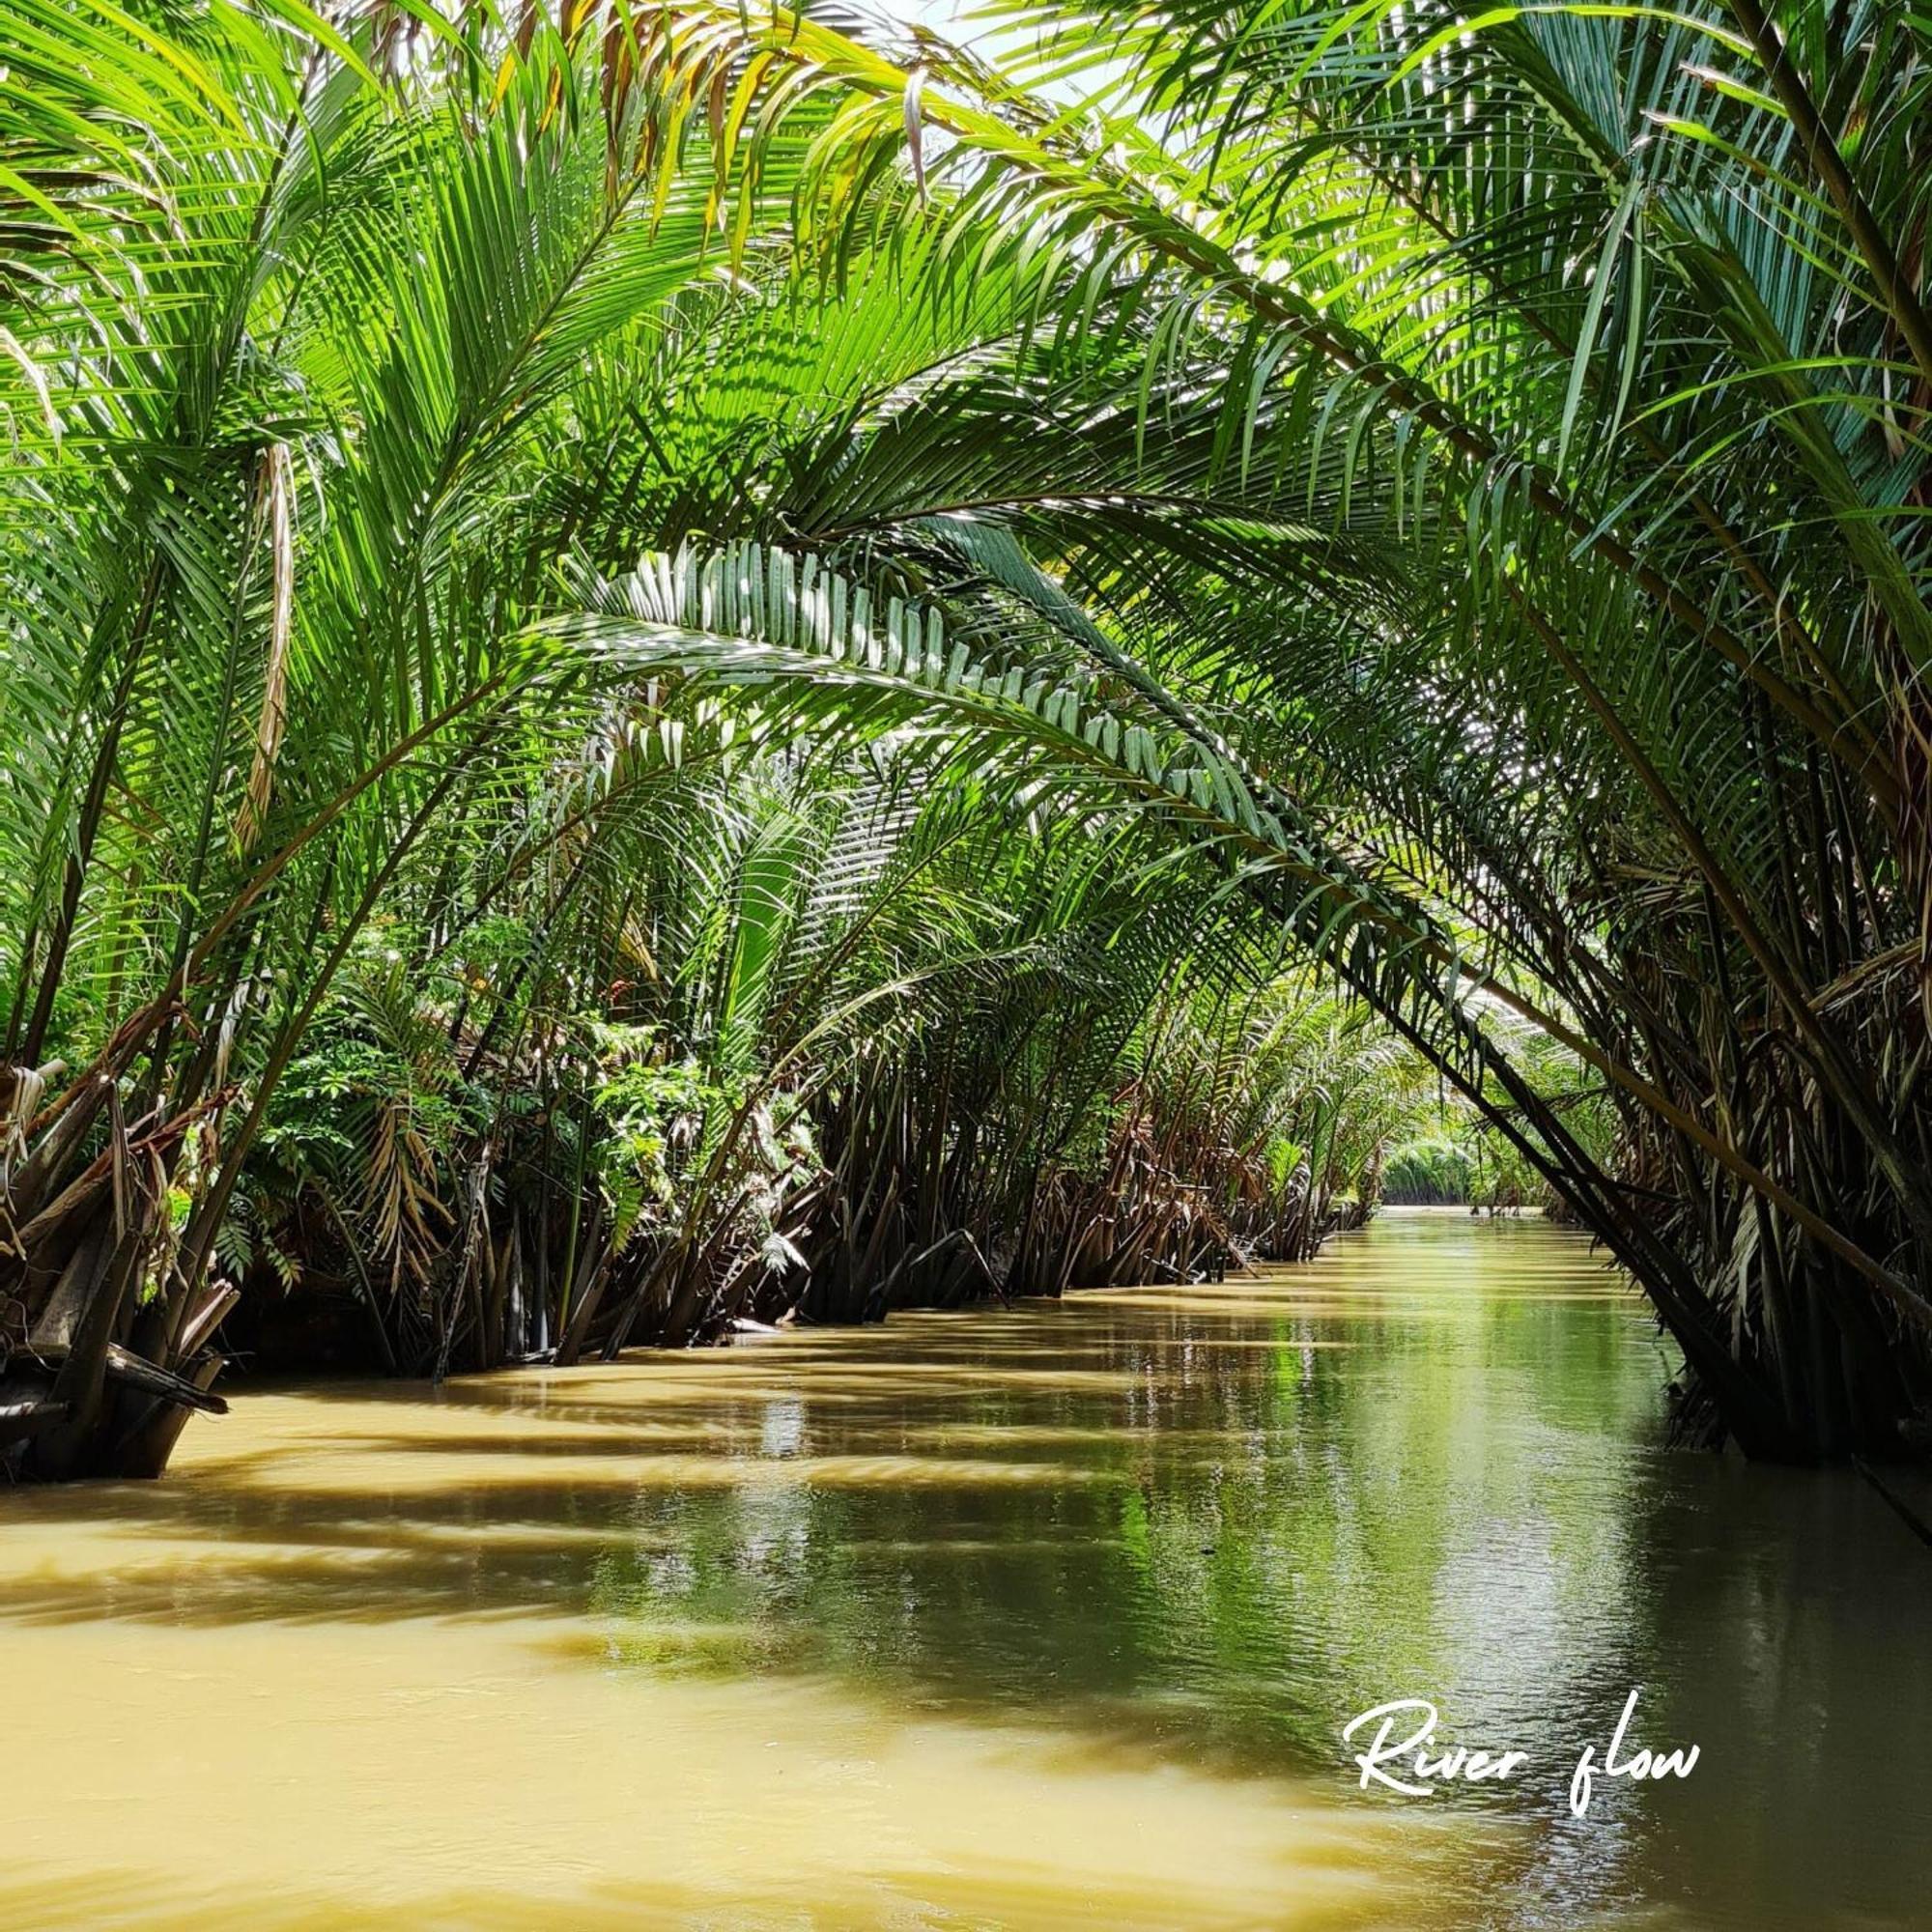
(1198, 1530)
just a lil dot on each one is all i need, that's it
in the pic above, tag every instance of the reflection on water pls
(1044, 1617)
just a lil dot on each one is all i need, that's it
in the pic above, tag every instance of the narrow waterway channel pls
(1040, 1617)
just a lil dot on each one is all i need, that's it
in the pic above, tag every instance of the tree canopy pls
(649, 652)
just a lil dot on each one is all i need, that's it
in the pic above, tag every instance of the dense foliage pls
(663, 662)
(404, 936)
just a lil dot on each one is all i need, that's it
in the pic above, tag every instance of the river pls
(1049, 1616)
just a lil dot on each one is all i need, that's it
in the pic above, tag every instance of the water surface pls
(1042, 1617)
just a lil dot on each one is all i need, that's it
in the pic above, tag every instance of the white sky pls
(944, 16)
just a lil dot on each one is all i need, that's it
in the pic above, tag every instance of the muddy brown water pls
(1044, 1617)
